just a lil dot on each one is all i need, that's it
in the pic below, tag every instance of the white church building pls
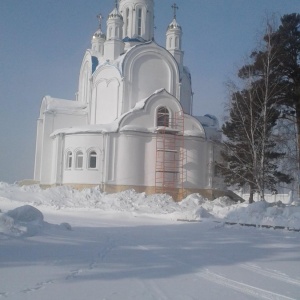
(131, 124)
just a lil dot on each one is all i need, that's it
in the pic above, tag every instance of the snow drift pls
(27, 220)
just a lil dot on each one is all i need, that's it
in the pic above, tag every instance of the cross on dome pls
(99, 17)
(175, 7)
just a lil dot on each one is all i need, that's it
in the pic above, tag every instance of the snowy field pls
(65, 244)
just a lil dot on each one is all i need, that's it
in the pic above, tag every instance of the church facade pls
(131, 124)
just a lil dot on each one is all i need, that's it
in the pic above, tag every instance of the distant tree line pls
(264, 113)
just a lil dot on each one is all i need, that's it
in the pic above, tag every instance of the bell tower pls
(138, 17)
(174, 39)
(114, 45)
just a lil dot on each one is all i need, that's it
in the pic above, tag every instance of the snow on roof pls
(111, 127)
(135, 128)
(195, 133)
(208, 121)
(141, 104)
(59, 105)
(97, 128)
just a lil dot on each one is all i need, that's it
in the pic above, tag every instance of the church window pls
(79, 160)
(92, 160)
(163, 117)
(69, 160)
(127, 22)
(139, 21)
(176, 42)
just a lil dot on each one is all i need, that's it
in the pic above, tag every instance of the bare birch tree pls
(249, 151)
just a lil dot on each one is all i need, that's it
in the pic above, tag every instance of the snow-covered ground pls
(66, 244)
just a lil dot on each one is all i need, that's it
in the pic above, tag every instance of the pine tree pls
(249, 149)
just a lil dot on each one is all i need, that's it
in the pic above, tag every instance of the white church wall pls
(130, 165)
(111, 144)
(85, 143)
(38, 150)
(197, 163)
(46, 149)
(57, 160)
(150, 160)
(106, 96)
(186, 94)
(51, 123)
(150, 73)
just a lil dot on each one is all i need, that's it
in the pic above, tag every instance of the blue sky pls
(42, 43)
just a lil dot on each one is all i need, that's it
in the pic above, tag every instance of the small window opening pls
(163, 117)
(79, 160)
(139, 21)
(93, 160)
(69, 160)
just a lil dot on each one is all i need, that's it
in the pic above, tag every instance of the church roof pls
(115, 14)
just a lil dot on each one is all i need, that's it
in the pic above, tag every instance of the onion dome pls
(99, 34)
(174, 25)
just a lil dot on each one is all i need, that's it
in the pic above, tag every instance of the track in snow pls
(270, 274)
(241, 287)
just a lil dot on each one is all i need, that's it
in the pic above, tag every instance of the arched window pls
(79, 160)
(170, 42)
(176, 42)
(163, 117)
(92, 160)
(139, 16)
(69, 158)
(127, 22)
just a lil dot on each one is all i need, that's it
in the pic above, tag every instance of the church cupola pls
(99, 38)
(114, 45)
(174, 39)
(138, 17)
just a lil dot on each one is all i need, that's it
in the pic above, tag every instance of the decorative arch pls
(84, 76)
(149, 61)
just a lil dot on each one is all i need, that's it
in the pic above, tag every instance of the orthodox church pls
(131, 124)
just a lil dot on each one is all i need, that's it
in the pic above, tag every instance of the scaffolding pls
(170, 155)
